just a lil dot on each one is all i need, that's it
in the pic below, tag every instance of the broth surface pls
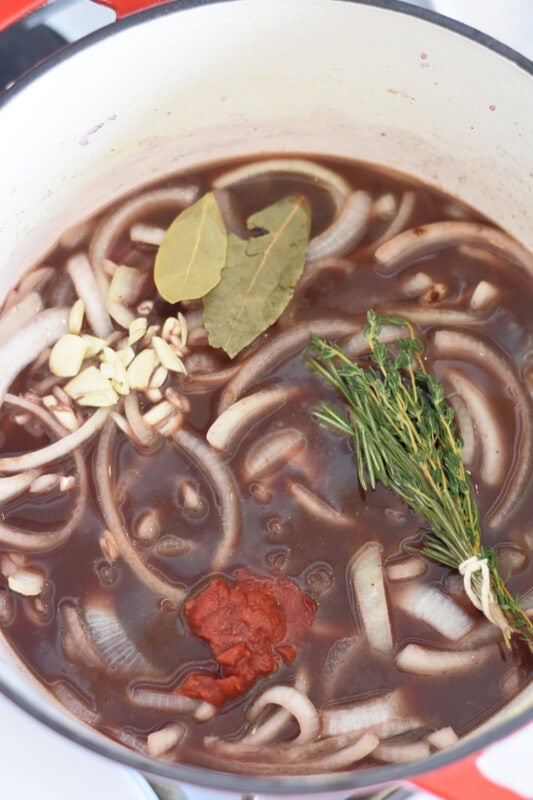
(278, 535)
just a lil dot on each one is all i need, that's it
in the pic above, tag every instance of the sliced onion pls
(353, 746)
(401, 752)
(459, 345)
(367, 580)
(294, 701)
(16, 485)
(79, 707)
(223, 483)
(22, 350)
(488, 433)
(78, 646)
(19, 315)
(112, 641)
(278, 719)
(198, 382)
(165, 739)
(131, 211)
(403, 215)
(512, 681)
(419, 660)
(147, 234)
(142, 431)
(346, 230)
(406, 569)
(106, 493)
(277, 350)
(385, 715)
(417, 284)
(430, 315)
(242, 415)
(331, 181)
(317, 508)
(428, 604)
(510, 559)
(21, 539)
(312, 270)
(417, 242)
(443, 738)
(342, 658)
(87, 289)
(59, 449)
(272, 452)
(164, 701)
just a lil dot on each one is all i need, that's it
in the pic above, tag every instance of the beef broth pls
(142, 646)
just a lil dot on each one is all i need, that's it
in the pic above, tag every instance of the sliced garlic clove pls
(126, 355)
(91, 384)
(122, 315)
(94, 345)
(167, 356)
(137, 329)
(67, 356)
(75, 318)
(140, 370)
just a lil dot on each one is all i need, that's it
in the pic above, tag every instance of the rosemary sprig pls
(404, 436)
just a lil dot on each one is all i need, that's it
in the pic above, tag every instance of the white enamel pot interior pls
(180, 85)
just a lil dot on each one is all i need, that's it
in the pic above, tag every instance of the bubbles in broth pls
(189, 560)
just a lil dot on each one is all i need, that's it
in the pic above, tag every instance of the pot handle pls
(500, 772)
(12, 11)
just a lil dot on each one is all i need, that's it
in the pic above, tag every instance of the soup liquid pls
(278, 536)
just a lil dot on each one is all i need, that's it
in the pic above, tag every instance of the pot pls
(185, 83)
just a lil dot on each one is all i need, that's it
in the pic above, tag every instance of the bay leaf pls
(191, 256)
(260, 275)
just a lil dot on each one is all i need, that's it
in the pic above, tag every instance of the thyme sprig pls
(404, 435)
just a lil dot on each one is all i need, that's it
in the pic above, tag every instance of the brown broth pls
(277, 536)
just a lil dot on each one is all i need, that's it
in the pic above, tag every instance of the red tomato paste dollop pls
(252, 624)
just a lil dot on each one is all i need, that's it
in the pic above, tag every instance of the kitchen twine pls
(483, 598)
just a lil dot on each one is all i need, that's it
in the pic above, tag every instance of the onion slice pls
(417, 242)
(294, 701)
(406, 569)
(488, 433)
(87, 289)
(241, 416)
(459, 345)
(24, 540)
(22, 350)
(443, 738)
(428, 604)
(104, 487)
(164, 701)
(401, 752)
(385, 715)
(19, 315)
(59, 449)
(346, 230)
(366, 577)
(16, 485)
(112, 641)
(317, 508)
(419, 660)
(277, 350)
(403, 215)
(223, 483)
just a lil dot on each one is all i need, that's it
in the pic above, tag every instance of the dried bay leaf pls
(259, 278)
(191, 256)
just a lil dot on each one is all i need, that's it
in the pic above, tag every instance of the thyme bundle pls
(404, 436)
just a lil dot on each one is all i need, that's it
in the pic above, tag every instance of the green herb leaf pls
(260, 275)
(403, 430)
(192, 255)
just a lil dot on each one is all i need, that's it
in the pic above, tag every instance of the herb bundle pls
(403, 430)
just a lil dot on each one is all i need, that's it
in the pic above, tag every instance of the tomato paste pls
(253, 624)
